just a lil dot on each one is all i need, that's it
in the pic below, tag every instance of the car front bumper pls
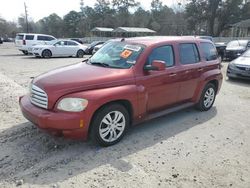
(69, 125)
(242, 74)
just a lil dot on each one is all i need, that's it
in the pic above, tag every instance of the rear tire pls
(207, 97)
(109, 125)
(46, 54)
(80, 54)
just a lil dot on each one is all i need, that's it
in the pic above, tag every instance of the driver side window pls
(163, 53)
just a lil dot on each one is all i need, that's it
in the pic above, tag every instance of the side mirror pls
(157, 65)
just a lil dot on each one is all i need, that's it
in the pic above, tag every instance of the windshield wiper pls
(100, 64)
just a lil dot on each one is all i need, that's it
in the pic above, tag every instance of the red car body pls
(146, 94)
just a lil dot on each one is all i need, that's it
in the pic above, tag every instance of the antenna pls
(26, 18)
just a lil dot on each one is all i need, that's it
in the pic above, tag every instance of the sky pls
(37, 9)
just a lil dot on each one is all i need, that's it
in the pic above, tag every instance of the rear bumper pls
(69, 125)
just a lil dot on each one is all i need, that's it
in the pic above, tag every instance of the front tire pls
(80, 54)
(207, 97)
(46, 54)
(109, 125)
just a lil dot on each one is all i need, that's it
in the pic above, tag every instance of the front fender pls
(99, 97)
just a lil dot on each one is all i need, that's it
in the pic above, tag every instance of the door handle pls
(187, 71)
(200, 69)
(172, 74)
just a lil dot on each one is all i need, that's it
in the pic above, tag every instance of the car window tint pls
(209, 51)
(71, 43)
(19, 37)
(29, 37)
(189, 53)
(163, 53)
(61, 43)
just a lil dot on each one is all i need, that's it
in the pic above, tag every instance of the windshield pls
(52, 42)
(117, 55)
(247, 53)
(236, 43)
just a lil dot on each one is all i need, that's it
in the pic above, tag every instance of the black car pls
(1, 40)
(240, 67)
(90, 48)
(77, 40)
(221, 47)
(235, 48)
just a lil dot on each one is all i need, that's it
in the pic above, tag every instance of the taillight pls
(24, 42)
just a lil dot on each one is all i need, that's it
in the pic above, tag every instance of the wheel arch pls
(124, 102)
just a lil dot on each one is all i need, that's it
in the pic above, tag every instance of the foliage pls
(198, 17)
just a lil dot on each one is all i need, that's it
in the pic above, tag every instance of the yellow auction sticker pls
(126, 53)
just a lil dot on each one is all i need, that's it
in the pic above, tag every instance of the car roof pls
(33, 34)
(152, 40)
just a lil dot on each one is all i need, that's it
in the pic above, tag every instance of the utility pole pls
(26, 18)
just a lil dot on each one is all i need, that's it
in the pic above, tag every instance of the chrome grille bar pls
(38, 97)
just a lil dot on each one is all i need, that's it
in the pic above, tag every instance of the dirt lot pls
(183, 149)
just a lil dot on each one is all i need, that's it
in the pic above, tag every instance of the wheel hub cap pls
(112, 126)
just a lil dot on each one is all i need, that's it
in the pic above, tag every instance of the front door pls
(161, 87)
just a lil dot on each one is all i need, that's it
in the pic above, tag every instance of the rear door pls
(191, 68)
(29, 40)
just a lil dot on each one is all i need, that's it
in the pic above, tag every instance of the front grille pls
(38, 97)
(244, 68)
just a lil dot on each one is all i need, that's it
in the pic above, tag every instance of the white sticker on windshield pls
(132, 47)
(131, 62)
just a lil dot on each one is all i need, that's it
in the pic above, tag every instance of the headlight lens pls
(72, 104)
(232, 66)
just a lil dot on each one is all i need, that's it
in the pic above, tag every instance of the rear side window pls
(71, 43)
(29, 37)
(45, 38)
(163, 53)
(19, 37)
(209, 51)
(189, 53)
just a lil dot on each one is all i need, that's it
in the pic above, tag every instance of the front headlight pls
(232, 66)
(72, 104)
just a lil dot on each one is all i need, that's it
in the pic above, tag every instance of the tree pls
(53, 25)
(71, 24)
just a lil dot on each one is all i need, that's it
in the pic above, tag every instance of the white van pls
(25, 41)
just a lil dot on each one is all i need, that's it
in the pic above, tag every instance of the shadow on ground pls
(38, 158)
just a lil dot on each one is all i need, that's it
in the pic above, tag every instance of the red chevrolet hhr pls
(126, 82)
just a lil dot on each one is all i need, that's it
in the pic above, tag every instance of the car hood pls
(237, 48)
(80, 77)
(242, 61)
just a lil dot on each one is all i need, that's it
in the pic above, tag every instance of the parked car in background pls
(77, 40)
(1, 40)
(240, 67)
(8, 39)
(90, 48)
(125, 82)
(60, 48)
(25, 41)
(97, 47)
(235, 48)
(221, 47)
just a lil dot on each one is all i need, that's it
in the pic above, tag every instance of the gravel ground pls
(183, 149)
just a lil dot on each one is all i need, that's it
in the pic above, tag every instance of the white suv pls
(25, 41)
